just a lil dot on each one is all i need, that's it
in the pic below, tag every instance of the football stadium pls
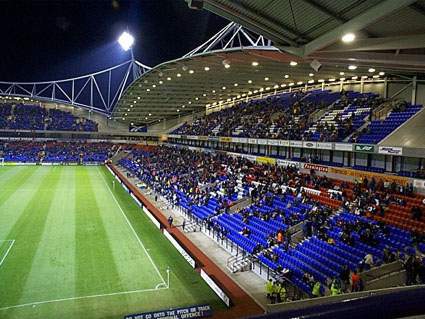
(215, 159)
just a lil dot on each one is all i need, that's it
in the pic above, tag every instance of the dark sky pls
(48, 40)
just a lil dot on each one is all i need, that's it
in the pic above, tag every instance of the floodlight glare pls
(126, 40)
(348, 37)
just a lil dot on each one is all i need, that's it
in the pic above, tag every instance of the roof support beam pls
(418, 8)
(376, 44)
(324, 10)
(358, 23)
(246, 15)
(387, 60)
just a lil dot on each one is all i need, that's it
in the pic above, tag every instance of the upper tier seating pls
(55, 152)
(343, 119)
(377, 130)
(290, 116)
(34, 117)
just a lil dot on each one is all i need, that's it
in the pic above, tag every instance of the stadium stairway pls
(365, 124)
(240, 262)
(240, 204)
(119, 154)
(376, 277)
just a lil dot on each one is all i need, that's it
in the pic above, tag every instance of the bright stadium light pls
(348, 37)
(126, 40)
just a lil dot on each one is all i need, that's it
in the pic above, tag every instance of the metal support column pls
(414, 88)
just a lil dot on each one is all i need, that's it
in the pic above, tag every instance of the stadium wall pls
(389, 303)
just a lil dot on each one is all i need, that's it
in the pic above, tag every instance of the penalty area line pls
(132, 229)
(8, 250)
(32, 304)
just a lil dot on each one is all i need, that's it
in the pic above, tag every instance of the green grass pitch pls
(74, 246)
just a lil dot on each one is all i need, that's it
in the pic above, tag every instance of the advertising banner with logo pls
(390, 150)
(262, 141)
(250, 157)
(215, 288)
(225, 139)
(283, 142)
(153, 219)
(239, 140)
(296, 143)
(252, 141)
(233, 154)
(180, 249)
(343, 147)
(316, 167)
(201, 311)
(282, 162)
(419, 183)
(364, 148)
(136, 200)
(324, 146)
(273, 142)
(310, 144)
(362, 174)
(266, 160)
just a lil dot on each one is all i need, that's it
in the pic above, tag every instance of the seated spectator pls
(389, 256)
(416, 213)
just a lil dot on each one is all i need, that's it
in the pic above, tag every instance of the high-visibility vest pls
(276, 288)
(282, 293)
(269, 287)
(335, 290)
(316, 289)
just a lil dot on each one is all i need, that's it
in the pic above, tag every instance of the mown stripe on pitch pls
(14, 182)
(95, 269)
(55, 257)
(27, 231)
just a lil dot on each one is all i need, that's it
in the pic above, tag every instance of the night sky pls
(48, 40)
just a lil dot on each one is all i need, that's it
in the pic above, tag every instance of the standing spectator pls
(409, 266)
(282, 293)
(345, 277)
(421, 271)
(170, 221)
(336, 287)
(317, 289)
(355, 281)
(269, 290)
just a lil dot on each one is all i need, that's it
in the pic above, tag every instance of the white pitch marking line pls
(7, 251)
(131, 226)
(82, 297)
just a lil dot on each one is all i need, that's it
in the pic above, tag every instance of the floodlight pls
(126, 40)
(348, 37)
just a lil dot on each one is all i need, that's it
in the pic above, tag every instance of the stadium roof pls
(312, 27)
(238, 62)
